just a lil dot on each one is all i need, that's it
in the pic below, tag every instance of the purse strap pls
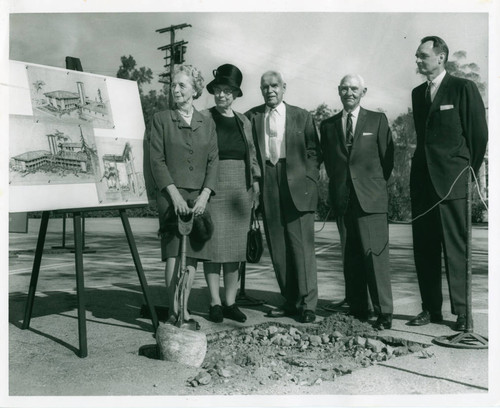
(254, 222)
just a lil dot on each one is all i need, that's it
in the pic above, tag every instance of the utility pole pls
(174, 52)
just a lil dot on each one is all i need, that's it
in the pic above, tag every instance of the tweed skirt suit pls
(231, 207)
(185, 155)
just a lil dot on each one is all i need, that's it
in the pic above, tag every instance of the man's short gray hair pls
(277, 74)
(357, 76)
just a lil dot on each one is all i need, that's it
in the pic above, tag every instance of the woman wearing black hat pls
(237, 191)
(184, 161)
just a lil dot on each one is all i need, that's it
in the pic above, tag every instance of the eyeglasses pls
(227, 91)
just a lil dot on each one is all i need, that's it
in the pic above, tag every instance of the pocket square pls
(367, 134)
(446, 107)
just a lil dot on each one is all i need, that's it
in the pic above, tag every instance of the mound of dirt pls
(241, 361)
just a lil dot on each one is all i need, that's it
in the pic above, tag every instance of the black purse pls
(255, 246)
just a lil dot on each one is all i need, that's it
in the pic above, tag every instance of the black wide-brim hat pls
(226, 74)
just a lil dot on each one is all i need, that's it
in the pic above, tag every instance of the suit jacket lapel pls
(339, 133)
(289, 126)
(439, 95)
(360, 124)
(261, 138)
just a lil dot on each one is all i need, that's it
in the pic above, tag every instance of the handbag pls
(255, 246)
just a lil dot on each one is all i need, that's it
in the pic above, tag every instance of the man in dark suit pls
(452, 134)
(288, 153)
(359, 155)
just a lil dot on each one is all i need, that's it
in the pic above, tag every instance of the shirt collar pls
(281, 109)
(437, 81)
(354, 113)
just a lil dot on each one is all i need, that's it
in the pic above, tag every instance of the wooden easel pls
(78, 237)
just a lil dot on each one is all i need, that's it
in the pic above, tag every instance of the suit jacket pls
(450, 135)
(370, 162)
(184, 155)
(252, 170)
(303, 154)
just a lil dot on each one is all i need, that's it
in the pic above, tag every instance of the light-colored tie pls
(273, 137)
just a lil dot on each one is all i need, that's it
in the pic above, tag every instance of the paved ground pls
(43, 360)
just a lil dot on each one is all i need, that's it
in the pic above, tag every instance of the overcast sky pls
(313, 50)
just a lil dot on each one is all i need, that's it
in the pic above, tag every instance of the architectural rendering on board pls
(121, 179)
(65, 157)
(72, 97)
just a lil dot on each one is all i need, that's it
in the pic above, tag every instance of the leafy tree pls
(128, 70)
(460, 68)
(322, 112)
(403, 131)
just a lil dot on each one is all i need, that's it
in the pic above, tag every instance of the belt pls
(268, 162)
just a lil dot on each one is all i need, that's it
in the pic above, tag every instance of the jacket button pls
(191, 168)
(191, 152)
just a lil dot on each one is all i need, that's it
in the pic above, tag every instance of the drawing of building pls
(64, 101)
(121, 173)
(65, 155)
(30, 161)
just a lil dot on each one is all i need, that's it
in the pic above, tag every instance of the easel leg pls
(36, 269)
(138, 267)
(80, 295)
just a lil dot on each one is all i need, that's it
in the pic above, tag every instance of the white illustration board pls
(59, 119)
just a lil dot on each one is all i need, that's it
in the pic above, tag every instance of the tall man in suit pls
(359, 155)
(451, 128)
(288, 153)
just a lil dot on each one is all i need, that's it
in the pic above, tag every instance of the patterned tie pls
(273, 137)
(428, 99)
(349, 133)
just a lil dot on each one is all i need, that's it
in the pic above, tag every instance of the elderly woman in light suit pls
(184, 165)
(237, 190)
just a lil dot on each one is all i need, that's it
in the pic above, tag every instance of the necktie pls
(428, 99)
(273, 137)
(349, 132)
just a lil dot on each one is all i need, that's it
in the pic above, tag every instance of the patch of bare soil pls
(244, 360)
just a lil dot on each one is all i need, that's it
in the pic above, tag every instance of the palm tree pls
(38, 86)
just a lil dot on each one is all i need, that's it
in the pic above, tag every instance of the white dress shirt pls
(280, 128)
(436, 83)
(355, 114)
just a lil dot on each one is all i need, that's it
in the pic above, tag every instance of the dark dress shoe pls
(362, 315)
(461, 323)
(281, 312)
(426, 317)
(384, 321)
(215, 314)
(234, 313)
(308, 316)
